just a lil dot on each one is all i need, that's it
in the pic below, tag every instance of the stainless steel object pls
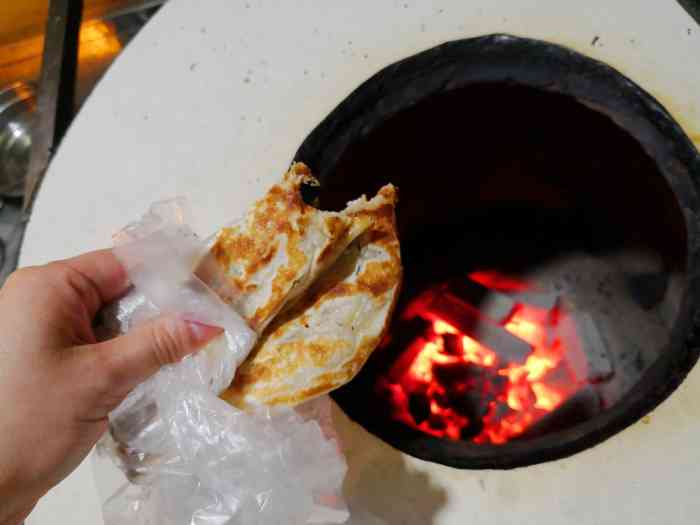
(18, 108)
(47, 96)
(17, 104)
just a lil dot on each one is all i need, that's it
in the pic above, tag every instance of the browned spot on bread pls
(289, 358)
(252, 374)
(352, 254)
(281, 283)
(377, 278)
(280, 213)
(300, 168)
(337, 228)
(321, 352)
(243, 286)
(220, 253)
(326, 382)
(342, 289)
(364, 350)
(298, 397)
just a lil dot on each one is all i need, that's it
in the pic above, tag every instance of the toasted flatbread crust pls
(324, 338)
(280, 248)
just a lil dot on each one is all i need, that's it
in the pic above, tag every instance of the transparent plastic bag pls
(191, 458)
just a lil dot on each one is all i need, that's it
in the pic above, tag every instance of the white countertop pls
(212, 99)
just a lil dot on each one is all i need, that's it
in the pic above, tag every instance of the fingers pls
(120, 364)
(84, 282)
(104, 272)
(20, 513)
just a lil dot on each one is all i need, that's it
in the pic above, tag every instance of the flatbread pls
(327, 334)
(277, 251)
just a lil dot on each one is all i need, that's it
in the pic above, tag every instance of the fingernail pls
(203, 333)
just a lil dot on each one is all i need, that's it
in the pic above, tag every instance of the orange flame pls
(477, 354)
(441, 327)
(520, 398)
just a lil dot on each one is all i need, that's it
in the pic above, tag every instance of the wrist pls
(16, 502)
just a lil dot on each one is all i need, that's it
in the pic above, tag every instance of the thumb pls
(124, 362)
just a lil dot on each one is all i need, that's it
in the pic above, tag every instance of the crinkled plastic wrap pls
(189, 457)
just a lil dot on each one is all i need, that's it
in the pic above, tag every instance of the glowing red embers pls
(484, 365)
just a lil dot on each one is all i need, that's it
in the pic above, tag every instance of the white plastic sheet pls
(191, 458)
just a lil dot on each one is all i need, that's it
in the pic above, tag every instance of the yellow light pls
(547, 398)
(441, 327)
(98, 39)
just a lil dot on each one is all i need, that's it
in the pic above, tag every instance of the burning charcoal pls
(475, 427)
(466, 319)
(600, 367)
(560, 378)
(405, 331)
(588, 354)
(472, 404)
(419, 406)
(440, 397)
(436, 421)
(499, 411)
(459, 372)
(648, 289)
(453, 344)
(545, 301)
(499, 383)
(405, 336)
(490, 387)
(580, 407)
(494, 305)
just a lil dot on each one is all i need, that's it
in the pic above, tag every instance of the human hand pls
(57, 384)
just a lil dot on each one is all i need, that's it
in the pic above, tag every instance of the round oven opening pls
(546, 217)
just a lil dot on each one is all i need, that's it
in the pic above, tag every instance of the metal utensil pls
(54, 101)
(16, 111)
(52, 113)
